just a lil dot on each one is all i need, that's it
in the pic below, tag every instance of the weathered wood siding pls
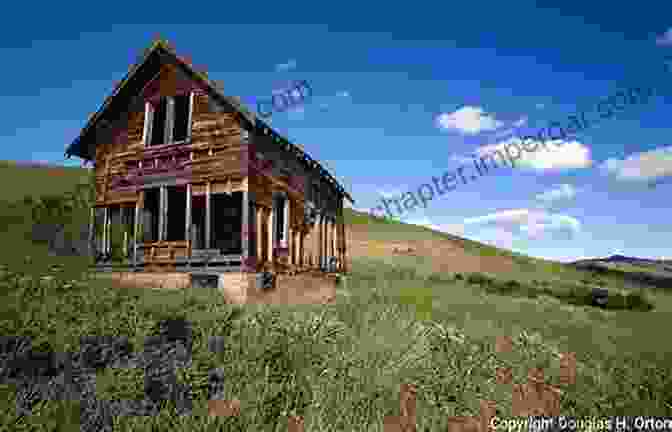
(124, 165)
(274, 168)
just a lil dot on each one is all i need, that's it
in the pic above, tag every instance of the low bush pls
(479, 279)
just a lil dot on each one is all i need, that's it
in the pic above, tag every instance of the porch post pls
(318, 240)
(187, 222)
(92, 231)
(327, 246)
(165, 213)
(327, 227)
(271, 235)
(296, 247)
(260, 234)
(334, 236)
(302, 236)
(136, 229)
(162, 213)
(344, 251)
(323, 245)
(207, 215)
(106, 220)
(287, 232)
(246, 228)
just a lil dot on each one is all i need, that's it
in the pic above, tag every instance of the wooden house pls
(189, 183)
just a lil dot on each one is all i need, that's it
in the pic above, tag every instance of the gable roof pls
(143, 71)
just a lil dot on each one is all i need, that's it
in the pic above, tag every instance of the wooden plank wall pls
(218, 154)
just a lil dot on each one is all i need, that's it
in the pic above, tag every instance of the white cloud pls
(530, 223)
(455, 229)
(514, 217)
(562, 192)
(554, 155)
(468, 120)
(282, 67)
(343, 94)
(665, 38)
(640, 166)
(560, 156)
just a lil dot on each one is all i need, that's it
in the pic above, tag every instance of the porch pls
(201, 229)
(171, 228)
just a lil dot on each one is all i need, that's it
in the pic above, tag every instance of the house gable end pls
(160, 72)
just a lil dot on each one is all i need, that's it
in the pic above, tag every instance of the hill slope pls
(405, 316)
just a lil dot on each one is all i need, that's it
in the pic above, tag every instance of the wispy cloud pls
(552, 155)
(561, 192)
(468, 120)
(455, 229)
(640, 166)
(283, 67)
(530, 223)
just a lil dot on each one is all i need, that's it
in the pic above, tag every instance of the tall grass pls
(340, 366)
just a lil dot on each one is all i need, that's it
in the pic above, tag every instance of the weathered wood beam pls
(207, 215)
(260, 235)
(162, 212)
(271, 234)
(136, 228)
(286, 215)
(245, 225)
(106, 220)
(170, 118)
(187, 218)
(325, 242)
(302, 236)
(92, 231)
(334, 243)
(318, 240)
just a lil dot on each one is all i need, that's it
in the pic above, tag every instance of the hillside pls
(431, 252)
(646, 271)
(428, 313)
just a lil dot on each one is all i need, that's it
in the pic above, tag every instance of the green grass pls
(341, 365)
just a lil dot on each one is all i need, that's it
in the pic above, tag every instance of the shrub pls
(479, 279)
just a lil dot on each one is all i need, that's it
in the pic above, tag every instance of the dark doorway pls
(227, 222)
(150, 219)
(177, 204)
(198, 222)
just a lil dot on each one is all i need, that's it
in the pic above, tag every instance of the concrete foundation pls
(235, 287)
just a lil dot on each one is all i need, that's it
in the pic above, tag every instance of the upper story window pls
(168, 121)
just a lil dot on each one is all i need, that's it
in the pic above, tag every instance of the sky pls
(402, 94)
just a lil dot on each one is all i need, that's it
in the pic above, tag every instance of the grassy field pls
(341, 365)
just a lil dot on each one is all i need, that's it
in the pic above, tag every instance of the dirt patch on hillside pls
(444, 255)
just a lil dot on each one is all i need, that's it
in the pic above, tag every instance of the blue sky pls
(401, 93)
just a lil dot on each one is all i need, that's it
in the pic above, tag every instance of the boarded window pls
(159, 122)
(181, 128)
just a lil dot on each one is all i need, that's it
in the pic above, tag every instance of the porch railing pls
(164, 251)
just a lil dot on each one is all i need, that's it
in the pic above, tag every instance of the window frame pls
(169, 126)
